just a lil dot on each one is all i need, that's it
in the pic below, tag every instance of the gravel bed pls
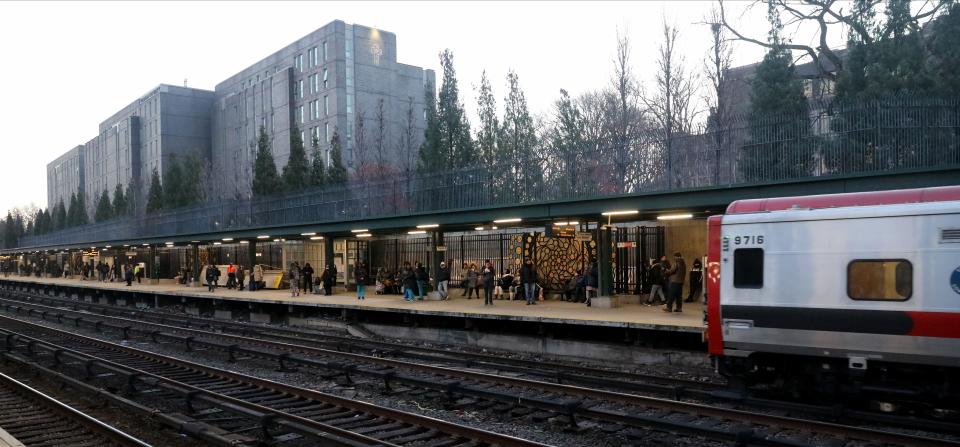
(551, 432)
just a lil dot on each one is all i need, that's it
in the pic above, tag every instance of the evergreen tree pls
(104, 208)
(944, 44)
(119, 202)
(82, 217)
(59, 216)
(337, 174)
(518, 140)
(489, 125)
(296, 174)
(155, 193)
(73, 217)
(894, 62)
(265, 178)
(132, 199)
(191, 188)
(172, 186)
(777, 118)
(9, 232)
(428, 158)
(453, 145)
(568, 142)
(317, 169)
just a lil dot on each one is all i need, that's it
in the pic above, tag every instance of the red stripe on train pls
(935, 324)
(712, 276)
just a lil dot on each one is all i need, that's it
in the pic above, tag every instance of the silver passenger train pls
(848, 296)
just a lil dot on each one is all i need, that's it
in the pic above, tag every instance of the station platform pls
(632, 316)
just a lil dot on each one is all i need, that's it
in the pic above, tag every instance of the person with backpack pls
(656, 282)
(241, 277)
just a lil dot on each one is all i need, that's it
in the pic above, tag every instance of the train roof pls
(894, 197)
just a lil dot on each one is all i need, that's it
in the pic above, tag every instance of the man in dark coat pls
(677, 274)
(528, 281)
(443, 280)
(422, 278)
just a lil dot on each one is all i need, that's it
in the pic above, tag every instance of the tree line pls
(630, 134)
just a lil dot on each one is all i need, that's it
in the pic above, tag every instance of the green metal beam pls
(713, 200)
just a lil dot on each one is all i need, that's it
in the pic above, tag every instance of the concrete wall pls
(689, 237)
(65, 177)
(268, 93)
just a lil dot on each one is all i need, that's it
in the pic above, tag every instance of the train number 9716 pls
(750, 239)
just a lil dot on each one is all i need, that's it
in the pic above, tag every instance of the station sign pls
(131, 253)
(627, 244)
(561, 231)
(584, 236)
(441, 248)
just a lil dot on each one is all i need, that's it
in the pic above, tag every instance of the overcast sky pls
(68, 66)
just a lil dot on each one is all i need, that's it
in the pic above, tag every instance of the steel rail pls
(839, 430)
(419, 420)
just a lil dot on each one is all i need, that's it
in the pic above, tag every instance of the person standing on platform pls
(443, 281)
(489, 274)
(231, 276)
(307, 273)
(138, 272)
(593, 280)
(656, 281)
(676, 276)
(257, 277)
(696, 281)
(128, 274)
(329, 279)
(472, 278)
(213, 274)
(528, 281)
(422, 279)
(409, 280)
(241, 276)
(360, 274)
(294, 279)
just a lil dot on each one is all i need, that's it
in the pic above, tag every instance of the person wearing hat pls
(443, 278)
(677, 273)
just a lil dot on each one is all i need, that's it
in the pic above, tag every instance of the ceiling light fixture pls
(510, 220)
(675, 216)
(620, 212)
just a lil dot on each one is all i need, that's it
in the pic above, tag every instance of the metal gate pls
(633, 249)
(357, 250)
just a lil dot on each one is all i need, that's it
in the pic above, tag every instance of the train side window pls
(748, 268)
(880, 279)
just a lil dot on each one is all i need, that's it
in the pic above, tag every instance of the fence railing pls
(866, 138)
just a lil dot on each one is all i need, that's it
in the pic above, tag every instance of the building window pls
(880, 279)
(748, 268)
(302, 118)
(301, 137)
(313, 57)
(298, 62)
(326, 55)
(325, 84)
(326, 106)
(300, 88)
(326, 132)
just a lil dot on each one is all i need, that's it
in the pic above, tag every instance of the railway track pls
(626, 410)
(266, 411)
(560, 372)
(33, 418)
(624, 382)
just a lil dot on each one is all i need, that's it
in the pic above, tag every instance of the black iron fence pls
(869, 138)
